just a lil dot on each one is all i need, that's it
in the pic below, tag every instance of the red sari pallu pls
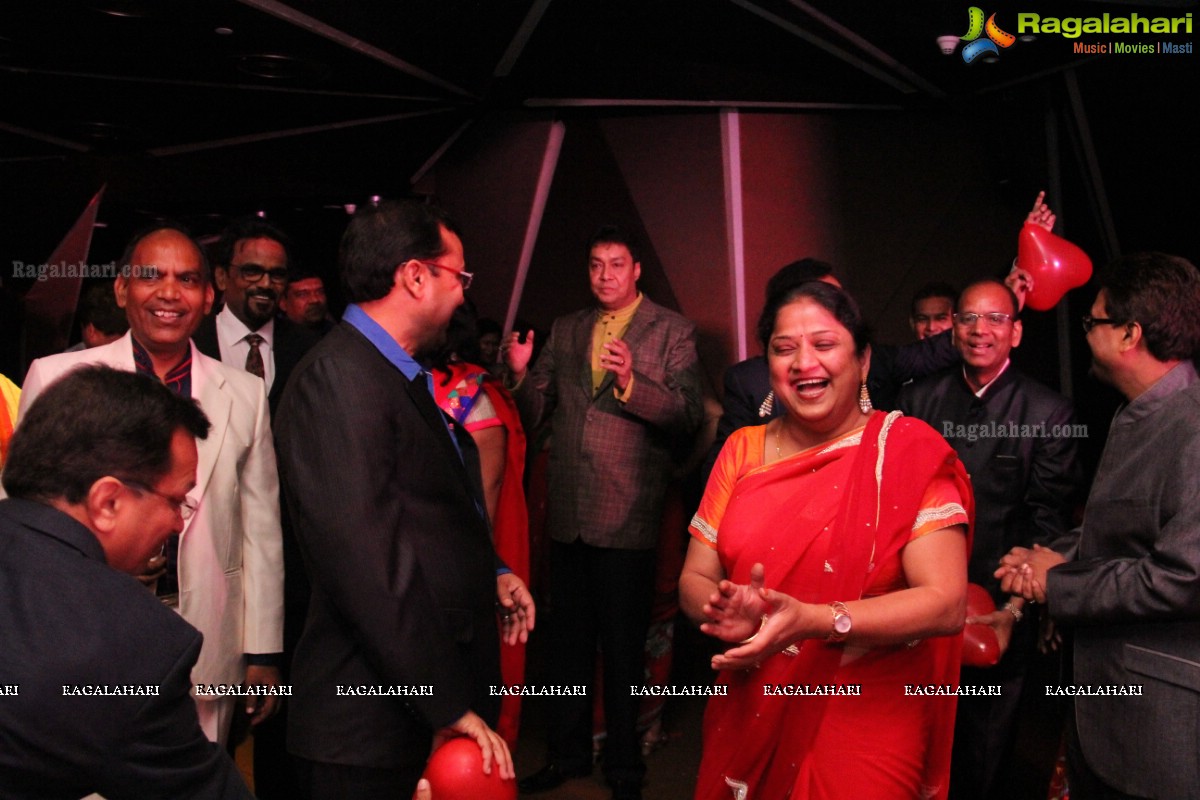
(510, 529)
(830, 524)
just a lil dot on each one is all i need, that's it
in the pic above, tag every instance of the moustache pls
(266, 294)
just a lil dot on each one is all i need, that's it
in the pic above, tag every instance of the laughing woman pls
(858, 521)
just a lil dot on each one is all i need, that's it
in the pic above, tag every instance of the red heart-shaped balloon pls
(1057, 266)
(981, 648)
(455, 772)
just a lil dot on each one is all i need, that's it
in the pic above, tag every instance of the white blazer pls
(231, 550)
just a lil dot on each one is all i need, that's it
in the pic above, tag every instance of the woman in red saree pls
(858, 521)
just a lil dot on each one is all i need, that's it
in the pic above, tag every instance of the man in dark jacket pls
(94, 670)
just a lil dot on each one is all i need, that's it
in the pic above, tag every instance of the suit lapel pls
(208, 388)
(581, 346)
(639, 329)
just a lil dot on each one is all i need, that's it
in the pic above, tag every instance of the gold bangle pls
(762, 623)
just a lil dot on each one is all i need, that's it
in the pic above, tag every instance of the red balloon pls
(981, 648)
(1056, 265)
(455, 772)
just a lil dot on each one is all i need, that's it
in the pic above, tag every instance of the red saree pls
(830, 524)
(510, 528)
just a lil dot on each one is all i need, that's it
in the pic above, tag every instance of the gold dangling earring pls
(768, 405)
(864, 399)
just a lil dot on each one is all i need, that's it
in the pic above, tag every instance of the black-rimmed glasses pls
(252, 273)
(1090, 322)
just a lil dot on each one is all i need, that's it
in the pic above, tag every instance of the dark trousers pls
(598, 594)
(984, 726)
(321, 781)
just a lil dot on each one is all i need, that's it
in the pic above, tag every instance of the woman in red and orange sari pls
(831, 549)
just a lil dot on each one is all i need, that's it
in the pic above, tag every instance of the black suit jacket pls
(1017, 447)
(66, 620)
(391, 527)
(289, 344)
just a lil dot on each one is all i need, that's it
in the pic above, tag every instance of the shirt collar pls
(178, 378)
(1150, 401)
(233, 330)
(621, 313)
(983, 389)
(383, 341)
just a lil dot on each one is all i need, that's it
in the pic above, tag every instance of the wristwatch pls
(841, 622)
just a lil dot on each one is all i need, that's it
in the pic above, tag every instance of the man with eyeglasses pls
(1127, 581)
(1013, 434)
(224, 572)
(401, 648)
(95, 674)
(251, 263)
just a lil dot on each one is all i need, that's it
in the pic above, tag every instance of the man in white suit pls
(224, 574)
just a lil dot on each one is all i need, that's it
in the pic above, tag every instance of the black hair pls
(1162, 294)
(611, 234)
(98, 307)
(382, 237)
(834, 300)
(94, 422)
(934, 289)
(250, 227)
(462, 340)
(486, 325)
(792, 275)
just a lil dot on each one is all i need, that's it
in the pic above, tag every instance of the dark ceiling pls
(194, 106)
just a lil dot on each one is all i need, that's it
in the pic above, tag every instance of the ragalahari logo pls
(976, 27)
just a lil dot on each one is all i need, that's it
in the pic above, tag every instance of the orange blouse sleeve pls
(742, 452)
(941, 507)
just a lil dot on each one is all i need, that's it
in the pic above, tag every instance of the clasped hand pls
(1023, 571)
(735, 613)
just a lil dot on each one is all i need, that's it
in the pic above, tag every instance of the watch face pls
(841, 624)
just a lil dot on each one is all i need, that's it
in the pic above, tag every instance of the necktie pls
(254, 359)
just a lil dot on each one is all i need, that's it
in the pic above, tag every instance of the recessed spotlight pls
(223, 31)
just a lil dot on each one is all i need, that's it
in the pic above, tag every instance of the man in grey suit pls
(621, 386)
(1128, 580)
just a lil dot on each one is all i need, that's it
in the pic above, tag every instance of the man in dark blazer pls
(621, 386)
(251, 266)
(252, 262)
(94, 670)
(1017, 441)
(1128, 581)
(400, 645)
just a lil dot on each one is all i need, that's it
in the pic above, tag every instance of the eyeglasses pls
(253, 273)
(994, 318)
(1090, 322)
(464, 277)
(187, 506)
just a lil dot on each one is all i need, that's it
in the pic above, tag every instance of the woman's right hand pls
(735, 610)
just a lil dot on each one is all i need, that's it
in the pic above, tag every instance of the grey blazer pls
(1131, 589)
(610, 462)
